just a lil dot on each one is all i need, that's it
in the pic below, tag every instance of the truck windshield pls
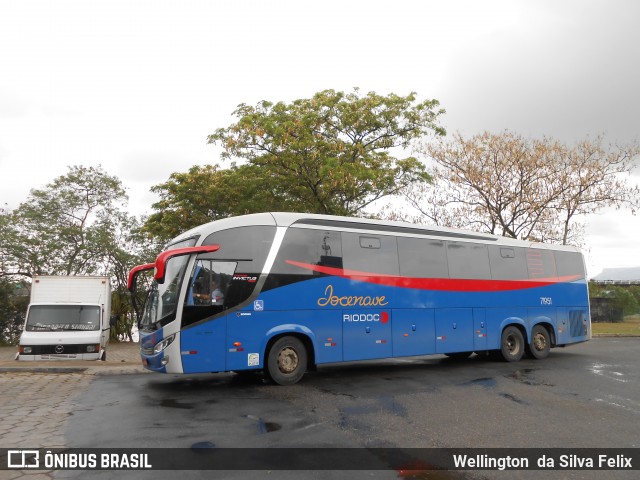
(48, 318)
(162, 301)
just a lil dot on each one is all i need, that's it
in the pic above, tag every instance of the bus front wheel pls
(287, 361)
(512, 344)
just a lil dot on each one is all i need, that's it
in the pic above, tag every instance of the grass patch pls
(630, 326)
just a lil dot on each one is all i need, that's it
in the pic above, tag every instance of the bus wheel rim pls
(287, 360)
(539, 342)
(512, 344)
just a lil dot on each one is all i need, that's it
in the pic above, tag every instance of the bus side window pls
(508, 263)
(313, 247)
(468, 260)
(367, 253)
(304, 246)
(569, 264)
(209, 282)
(207, 293)
(250, 246)
(541, 263)
(422, 258)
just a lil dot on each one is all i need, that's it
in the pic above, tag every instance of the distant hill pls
(619, 274)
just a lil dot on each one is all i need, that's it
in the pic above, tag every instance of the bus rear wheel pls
(512, 344)
(287, 361)
(540, 345)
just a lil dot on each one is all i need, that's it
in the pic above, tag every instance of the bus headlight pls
(160, 346)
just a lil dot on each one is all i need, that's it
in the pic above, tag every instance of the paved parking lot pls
(37, 398)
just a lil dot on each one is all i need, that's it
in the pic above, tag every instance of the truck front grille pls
(58, 351)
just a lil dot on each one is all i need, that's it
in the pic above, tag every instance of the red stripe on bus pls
(442, 284)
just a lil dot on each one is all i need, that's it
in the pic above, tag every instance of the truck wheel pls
(512, 344)
(286, 361)
(540, 345)
(104, 356)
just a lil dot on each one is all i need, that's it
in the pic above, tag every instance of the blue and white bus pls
(286, 292)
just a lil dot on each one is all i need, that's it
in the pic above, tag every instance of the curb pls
(97, 371)
(605, 335)
(125, 369)
(43, 369)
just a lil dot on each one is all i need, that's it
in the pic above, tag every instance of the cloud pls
(567, 72)
(12, 105)
(148, 166)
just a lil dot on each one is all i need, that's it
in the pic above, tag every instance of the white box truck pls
(69, 317)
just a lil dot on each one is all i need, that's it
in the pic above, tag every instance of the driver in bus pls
(217, 298)
(201, 295)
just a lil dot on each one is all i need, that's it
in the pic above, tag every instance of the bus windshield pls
(163, 298)
(48, 318)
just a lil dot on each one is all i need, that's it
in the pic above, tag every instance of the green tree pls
(333, 151)
(14, 256)
(69, 227)
(130, 247)
(14, 299)
(635, 291)
(622, 297)
(208, 193)
(76, 225)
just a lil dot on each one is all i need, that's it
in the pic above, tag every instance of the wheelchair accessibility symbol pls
(258, 305)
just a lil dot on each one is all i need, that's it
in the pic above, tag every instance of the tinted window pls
(368, 253)
(468, 260)
(569, 263)
(209, 283)
(508, 263)
(210, 291)
(189, 242)
(247, 249)
(247, 245)
(423, 258)
(540, 263)
(314, 247)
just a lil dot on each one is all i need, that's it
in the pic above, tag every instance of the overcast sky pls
(137, 86)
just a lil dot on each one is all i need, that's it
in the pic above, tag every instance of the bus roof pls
(380, 227)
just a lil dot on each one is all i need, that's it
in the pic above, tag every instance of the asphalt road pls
(586, 395)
